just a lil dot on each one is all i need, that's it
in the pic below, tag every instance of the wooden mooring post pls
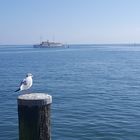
(34, 116)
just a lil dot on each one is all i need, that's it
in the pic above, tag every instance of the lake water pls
(95, 90)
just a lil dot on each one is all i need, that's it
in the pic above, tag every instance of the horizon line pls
(134, 44)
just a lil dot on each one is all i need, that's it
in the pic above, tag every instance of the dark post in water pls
(34, 116)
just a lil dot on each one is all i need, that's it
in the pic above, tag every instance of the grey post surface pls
(34, 116)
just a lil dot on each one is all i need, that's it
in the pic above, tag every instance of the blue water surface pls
(95, 90)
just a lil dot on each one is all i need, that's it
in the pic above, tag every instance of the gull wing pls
(23, 82)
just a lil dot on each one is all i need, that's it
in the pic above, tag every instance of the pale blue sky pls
(70, 21)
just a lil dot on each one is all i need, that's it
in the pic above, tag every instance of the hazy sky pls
(69, 21)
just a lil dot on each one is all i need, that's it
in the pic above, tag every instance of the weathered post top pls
(34, 99)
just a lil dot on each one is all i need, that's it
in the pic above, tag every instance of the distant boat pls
(48, 44)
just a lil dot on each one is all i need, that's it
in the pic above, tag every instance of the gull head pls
(29, 74)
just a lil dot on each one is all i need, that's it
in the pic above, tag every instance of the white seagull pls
(26, 83)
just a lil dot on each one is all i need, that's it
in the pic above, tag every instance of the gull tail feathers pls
(17, 90)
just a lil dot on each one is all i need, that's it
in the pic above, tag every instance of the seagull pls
(26, 83)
